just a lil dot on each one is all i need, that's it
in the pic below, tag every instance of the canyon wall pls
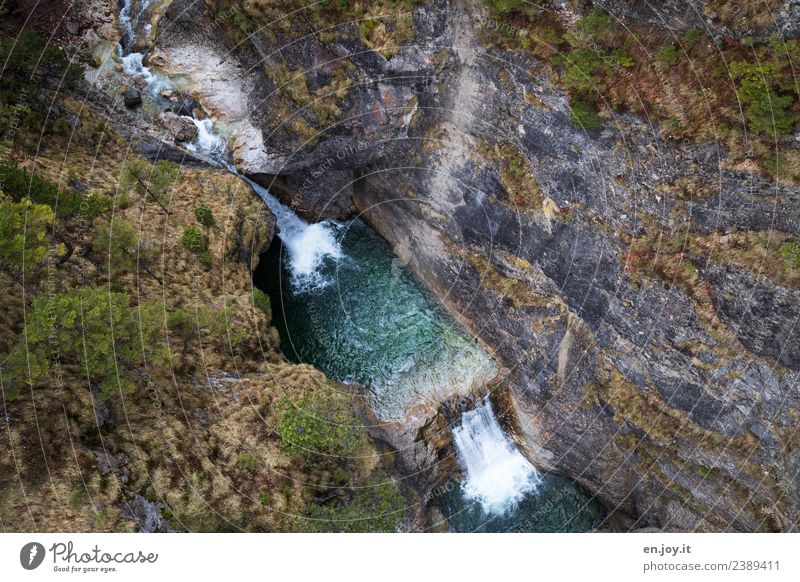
(621, 273)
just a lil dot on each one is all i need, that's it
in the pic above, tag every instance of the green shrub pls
(667, 56)
(379, 508)
(321, 424)
(96, 203)
(692, 35)
(203, 215)
(91, 328)
(596, 24)
(248, 461)
(19, 184)
(24, 229)
(30, 63)
(583, 115)
(182, 322)
(195, 241)
(581, 67)
(261, 301)
(222, 324)
(790, 253)
(152, 181)
(766, 95)
(119, 247)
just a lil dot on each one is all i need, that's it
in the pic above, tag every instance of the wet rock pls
(329, 194)
(254, 230)
(132, 98)
(601, 361)
(596, 356)
(184, 105)
(182, 129)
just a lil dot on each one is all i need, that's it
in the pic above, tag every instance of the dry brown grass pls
(199, 438)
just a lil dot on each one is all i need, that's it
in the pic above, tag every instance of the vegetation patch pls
(697, 88)
(321, 424)
(516, 176)
(377, 507)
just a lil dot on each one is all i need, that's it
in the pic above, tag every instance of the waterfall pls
(209, 141)
(129, 19)
(133, 66)
(497, 475)
(133, 63)
(308, 245)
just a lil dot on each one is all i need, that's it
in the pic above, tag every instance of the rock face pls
(674, 399)
(737, 19)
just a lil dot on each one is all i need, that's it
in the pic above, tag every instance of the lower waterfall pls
(497, 475)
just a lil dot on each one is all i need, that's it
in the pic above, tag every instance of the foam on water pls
(129, 18)
(497, 475)
(133, 66)
(209, 141)
(309, 246)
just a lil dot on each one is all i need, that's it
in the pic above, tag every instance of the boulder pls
(132, 98)
(146, 514)
(184, 105)
(182, 129)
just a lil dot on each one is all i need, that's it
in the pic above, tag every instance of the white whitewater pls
(133, 66)
(497, 475)
(133, 63)
(129, 18)
(208, 141)
(308, 245)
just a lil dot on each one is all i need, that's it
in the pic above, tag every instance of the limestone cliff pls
(629, 257)
(606, 195)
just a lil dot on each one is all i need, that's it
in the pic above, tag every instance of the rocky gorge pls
(631, 272)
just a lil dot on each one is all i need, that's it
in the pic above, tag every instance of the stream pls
(360, 316)
(345, 304)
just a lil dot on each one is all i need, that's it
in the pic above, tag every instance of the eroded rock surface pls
(669, 387)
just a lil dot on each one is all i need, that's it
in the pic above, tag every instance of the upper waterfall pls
(308, 245)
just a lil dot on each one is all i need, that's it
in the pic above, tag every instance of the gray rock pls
(621, 384)
(147, 515)
(181, 128)
(132, 98)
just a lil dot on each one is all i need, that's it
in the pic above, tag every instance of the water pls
(209, 142)
(557, 505)
(497, 475)
(502, 492)
(130, 19)
(133, 66)
(343, 303)
(307, 245)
